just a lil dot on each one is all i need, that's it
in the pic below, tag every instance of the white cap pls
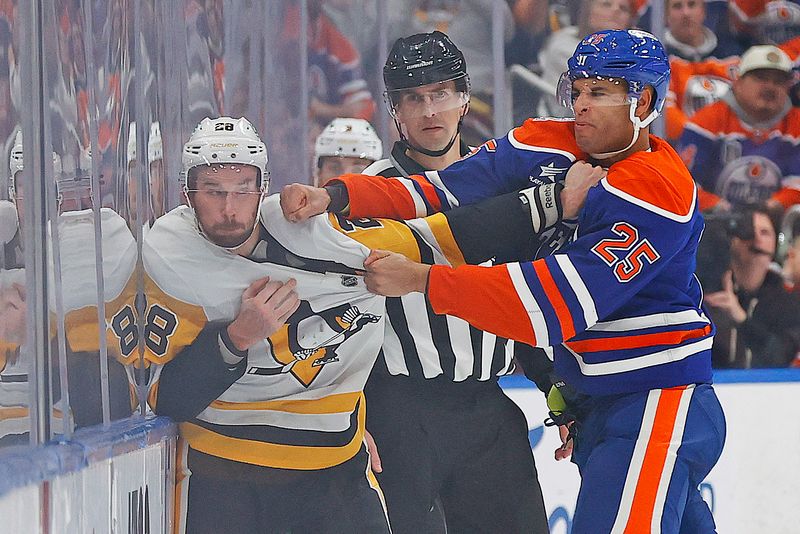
(764, 57)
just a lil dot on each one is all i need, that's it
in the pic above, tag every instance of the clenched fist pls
(300, 202)
(580, 178)
(394, 275)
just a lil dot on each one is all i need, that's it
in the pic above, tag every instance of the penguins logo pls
(310, 340)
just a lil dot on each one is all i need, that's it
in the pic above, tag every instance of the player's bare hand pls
(580, 178)
(565, 450)
(300, 202)
(266, 305)
(372, 449)
(394, 275)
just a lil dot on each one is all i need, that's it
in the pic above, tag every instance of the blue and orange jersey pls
(538, 152)
(740, 163)
(746, 10)
(620, 304)
(335, 74)
(693, 85)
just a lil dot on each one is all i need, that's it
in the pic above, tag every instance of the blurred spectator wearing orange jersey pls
(337, 84)
(743, 149)
(701, 62)
(766, 21)
(694, 85)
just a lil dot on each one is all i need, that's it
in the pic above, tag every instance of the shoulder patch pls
(548, 135)
(668, 190)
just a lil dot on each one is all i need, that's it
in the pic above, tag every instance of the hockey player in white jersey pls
(73, 301)
(263, 348)
(345, 146)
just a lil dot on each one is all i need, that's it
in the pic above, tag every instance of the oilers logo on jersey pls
(310, 340)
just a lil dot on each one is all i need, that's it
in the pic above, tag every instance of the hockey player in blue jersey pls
(619, 304)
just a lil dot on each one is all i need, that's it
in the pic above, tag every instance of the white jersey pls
(77, 278)
(299, 404)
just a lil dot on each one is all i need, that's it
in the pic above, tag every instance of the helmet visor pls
(597, 90)
(424, 101)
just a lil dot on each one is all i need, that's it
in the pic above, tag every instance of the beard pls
(228, 235)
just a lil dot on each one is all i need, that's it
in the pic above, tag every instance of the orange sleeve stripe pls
(655, 457)
(635, 342)
(483, 296)
(787, 197)
(792, 48)
(556, 299)
(375, 196)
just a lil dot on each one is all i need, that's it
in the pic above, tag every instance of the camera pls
(714, 250)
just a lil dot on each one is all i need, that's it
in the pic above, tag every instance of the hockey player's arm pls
(217, 358)
(550, 300)
(498, 166)
(504, 226)
(199, 374)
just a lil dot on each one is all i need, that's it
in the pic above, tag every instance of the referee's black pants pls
(454, 453)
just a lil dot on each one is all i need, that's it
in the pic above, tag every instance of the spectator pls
(337, 85)
(742, 149)
(766, 21)
(694, 85)
(757, 320)
(593, 16)
(791, 266)
(688, 37)
(791, 259)
(701, 62)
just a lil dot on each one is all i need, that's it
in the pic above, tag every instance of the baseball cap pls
(764, 57)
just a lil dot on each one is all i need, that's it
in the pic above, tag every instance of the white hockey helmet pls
(17, 164)
(345, 137)
(225, 140)
(155, 147)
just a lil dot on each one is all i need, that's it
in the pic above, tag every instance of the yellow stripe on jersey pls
(337, 403)
(273, 454)
(189, 320)
(440, 228)
(83, 332)
(13, 412)
(388, 235)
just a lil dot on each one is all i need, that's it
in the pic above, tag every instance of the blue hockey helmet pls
(632, 55)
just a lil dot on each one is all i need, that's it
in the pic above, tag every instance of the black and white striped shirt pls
(421, 344)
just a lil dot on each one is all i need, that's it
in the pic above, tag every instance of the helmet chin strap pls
(638, 124)
(205, 235)
(431, 153)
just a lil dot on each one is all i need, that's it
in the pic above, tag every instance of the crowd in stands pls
(732, 114)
